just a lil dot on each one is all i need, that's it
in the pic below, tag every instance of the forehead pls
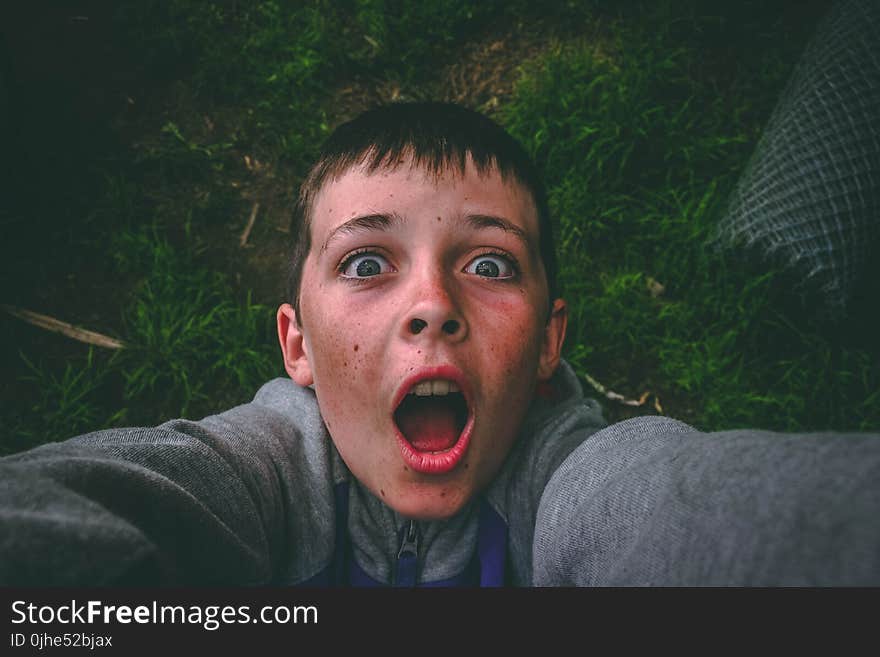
(414, 191)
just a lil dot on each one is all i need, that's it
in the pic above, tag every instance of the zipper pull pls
(405, 570)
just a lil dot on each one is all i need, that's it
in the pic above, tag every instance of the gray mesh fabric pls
(810, 195)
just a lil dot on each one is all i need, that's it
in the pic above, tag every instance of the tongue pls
(428, 423)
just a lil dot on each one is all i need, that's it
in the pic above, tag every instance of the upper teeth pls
(439, 388)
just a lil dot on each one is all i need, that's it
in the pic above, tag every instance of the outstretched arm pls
(185, 502)
(652, 501)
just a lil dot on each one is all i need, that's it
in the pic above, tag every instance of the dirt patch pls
(480, 74)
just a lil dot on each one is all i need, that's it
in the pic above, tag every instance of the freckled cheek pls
(342, 366)
(511, 346)
(507, 320)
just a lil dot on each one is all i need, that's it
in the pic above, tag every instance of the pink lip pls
(426, 462)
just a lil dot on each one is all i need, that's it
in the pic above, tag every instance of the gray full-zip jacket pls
(247, 497)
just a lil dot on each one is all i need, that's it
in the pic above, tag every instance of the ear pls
(554, 336)
(293, 346)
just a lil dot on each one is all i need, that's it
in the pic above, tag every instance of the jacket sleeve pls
(183, 503)
(651, 501)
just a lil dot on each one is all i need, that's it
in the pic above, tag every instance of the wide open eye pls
(364, 265)
(491, 266)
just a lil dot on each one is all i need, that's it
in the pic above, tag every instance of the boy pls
(430, 433)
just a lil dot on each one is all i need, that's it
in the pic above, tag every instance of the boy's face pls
(417, 286)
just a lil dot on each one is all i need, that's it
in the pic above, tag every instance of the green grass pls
(641, 115)
(193, 346)
(640, 155)
(190, 337)
(64, 402)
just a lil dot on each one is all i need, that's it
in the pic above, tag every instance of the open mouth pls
(431, 417)
(433, 421)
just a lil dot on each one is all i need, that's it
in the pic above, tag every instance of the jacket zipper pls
(405, 571)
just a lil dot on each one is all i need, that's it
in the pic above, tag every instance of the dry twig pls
(71, 331)
(250, 225)
(614, 396)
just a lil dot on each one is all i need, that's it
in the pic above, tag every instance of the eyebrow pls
(481, 221)
(367, 222)
(385, 221)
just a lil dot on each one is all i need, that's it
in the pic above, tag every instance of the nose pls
(450, 326)
(434, 313)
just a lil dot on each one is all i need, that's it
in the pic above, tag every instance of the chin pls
(436, 504)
